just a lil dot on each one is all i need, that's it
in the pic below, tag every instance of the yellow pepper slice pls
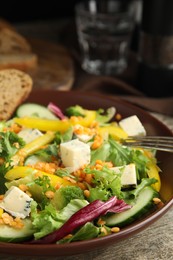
(43, 124)
(56, 125)
(90, 116)
(32, 147)
(23, 171)
(153, 170)
(115, 131)
(38, 143)
(1, 212)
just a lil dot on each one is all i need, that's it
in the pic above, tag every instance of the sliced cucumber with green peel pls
(14, 235)
(143, 203)
(33, 159)
(34, 110)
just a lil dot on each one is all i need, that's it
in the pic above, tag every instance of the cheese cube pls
(132, 126)
(29, 135)
(16, 202)
(128, 174)
(75, 154)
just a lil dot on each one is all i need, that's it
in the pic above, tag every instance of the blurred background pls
(21, 11)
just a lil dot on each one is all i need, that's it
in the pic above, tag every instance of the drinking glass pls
(104, 29)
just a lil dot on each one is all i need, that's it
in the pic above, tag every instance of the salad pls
(66, 177)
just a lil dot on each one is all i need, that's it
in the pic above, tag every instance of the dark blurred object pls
(155, 55)
(19, 11)
(104, 30)
(137, 27)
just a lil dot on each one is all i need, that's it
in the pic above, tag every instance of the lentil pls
(86, 193)
(50, 194)
(115, 229)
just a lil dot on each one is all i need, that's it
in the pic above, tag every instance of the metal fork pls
(162, 143)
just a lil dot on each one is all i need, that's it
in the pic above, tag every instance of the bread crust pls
(12, 42)
(22, 62)
(5, 24)
(15, 50)
(15, 87)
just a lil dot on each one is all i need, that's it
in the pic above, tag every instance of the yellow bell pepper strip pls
(43, 124)
(23, 171)
(153, 170)
(90, 117)
(56, 125)
(32, 147)
(114, 130)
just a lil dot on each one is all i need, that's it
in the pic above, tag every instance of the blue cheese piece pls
(16, 202)
(132, 126)
(128, 174)
(75, 154)
(29, 135)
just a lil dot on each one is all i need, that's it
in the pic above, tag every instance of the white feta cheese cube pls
(29, 135)
(16, 202)
(75, 154)
(132, 126)
(128, 174)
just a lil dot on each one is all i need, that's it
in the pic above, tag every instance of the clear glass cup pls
(104, 29)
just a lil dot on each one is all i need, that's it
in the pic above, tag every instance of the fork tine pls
(163, 143)
(159, 138)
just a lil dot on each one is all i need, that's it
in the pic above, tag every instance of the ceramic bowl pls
(153, 127)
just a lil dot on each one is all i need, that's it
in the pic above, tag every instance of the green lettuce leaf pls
(106, 184)
(49, 219)
(88, 231)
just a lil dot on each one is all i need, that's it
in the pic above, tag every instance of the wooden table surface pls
(155, 242)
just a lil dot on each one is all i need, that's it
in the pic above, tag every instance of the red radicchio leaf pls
(80, 218)
(120, 206)
(56, 110)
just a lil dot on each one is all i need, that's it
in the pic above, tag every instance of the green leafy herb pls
(120, 155)
(8, 141)
(75, 111)
(103, 116)
(44, 183)
(47, 153)
(132, 194)
(65, 194)
(106, 184)
(64, 172)
(67, 136)
(102, 153)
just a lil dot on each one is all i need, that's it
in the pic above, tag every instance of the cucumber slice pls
(143, 203)
(36, 110)
(33, 159)
(13, 235)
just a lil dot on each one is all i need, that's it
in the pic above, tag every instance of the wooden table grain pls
(153, 243)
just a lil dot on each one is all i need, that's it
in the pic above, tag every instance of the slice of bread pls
(12, 42)
(5, 24)
(23, 61)
(15, 51)
(15, 87)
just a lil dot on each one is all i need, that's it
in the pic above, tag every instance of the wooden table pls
(154, 243)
